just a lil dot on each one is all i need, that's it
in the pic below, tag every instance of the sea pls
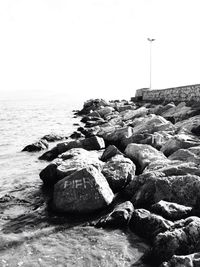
(30, 235)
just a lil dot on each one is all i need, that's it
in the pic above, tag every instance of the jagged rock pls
(105, 111)
(68, 163)
(179, 112)
(92, 105)
(119, 171)
(185, 155)
(148, 225)
(87, 132)
(76, 135)
(171, 211)
(37, 146)
(116, 134)
(149, 188)
(157, 139)
(110, 152)
(179, 141)
(84, 191)
(149, 125)
(160, 109)
(191, 260)
(182, 239)
(53, 137)
(121, 107)
(91, 143)
(132, 114)
(119, 217)
(188, 124)
(143, 154)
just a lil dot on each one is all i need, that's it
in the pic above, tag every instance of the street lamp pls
(150, 61)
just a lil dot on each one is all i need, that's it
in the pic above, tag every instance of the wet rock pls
(179, 141)
(110, 152)
(86, 119)
(143, 154)
(132, 114)
(171, 211)
(83, 191)
(192, 260)
(149, 188)
(119, 171)
(91, 143)
(119, 217)
(148, 225)
(76, 135)
(37, 146)
(53, 137)
(182, 239)
(68, 163)
(87, 132)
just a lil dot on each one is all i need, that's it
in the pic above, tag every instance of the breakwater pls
(189, 93)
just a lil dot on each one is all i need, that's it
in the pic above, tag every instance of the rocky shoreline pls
(135, 165)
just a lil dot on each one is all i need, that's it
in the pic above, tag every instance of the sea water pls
(30, 236)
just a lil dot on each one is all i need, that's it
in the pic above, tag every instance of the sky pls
(97, 48)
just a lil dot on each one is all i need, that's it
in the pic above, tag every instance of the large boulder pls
(53, 137)
(188, 155)
(119, 171)
(37, 146)
(179, 112)
(149, 188)
(149, 125)
(84, 191)
(92, 105)
(119, 217)
(191, 260)
(132, 114)
(91, 143)
(182, 239)
(68, 163)
(110, 152)
(171, 211)
(148, 225)
(179, 141)
(116, 134)
(143, 154)
(188, 124)
(105, 111)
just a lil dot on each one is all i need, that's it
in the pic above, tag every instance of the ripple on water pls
(78, 246)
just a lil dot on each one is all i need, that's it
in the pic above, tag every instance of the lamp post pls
(150, 61)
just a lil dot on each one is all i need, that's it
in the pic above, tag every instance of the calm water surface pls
(30, 235)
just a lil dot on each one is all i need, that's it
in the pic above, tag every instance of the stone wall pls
(183, 93)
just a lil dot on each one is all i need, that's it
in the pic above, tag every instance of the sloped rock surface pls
(84, 191)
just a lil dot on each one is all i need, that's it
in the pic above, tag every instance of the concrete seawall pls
(190, 93)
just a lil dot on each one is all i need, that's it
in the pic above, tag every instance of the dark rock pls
(76, 135)
(149, 188)
(119, 171)
(92, 105)
(37, 146)
(192, 260)
(53, 137)
(83, 191)
(92, 143)
(119, 217)
(148, 225)
(110, 152)
(182, 239)
(68, 163)
(171, 211)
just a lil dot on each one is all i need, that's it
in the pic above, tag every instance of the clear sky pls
(97, 48)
